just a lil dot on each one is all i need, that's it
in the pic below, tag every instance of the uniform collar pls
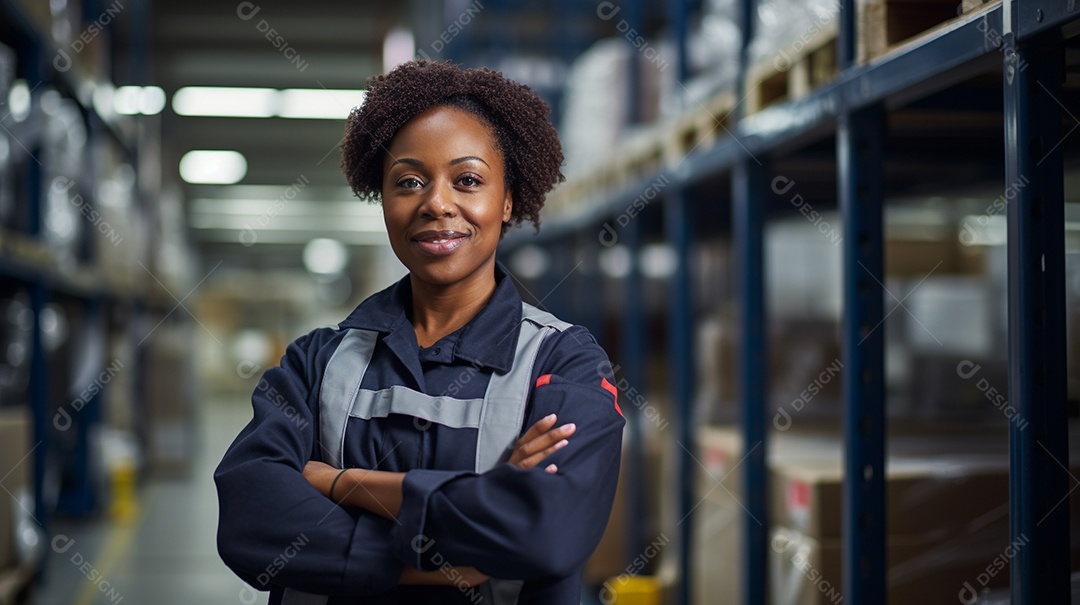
(488, 340)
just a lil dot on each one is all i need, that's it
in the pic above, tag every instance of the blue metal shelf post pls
(678, 227)
(749, 184)
(1039, 455)
(859, 159)
(633, 369)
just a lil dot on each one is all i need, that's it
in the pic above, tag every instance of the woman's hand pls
(462, 577)
(539, 442)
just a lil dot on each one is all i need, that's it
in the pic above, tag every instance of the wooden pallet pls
(886, 24)
(699, 128)
(795, 71)
(661, 147)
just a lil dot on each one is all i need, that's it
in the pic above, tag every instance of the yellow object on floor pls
(124, 504)
(631, 590)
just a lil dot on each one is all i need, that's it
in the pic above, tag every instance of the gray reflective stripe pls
(295, 597)
(341, 381)
(504, 413)
(505, 399)
(543, 318)
(501, 592)
(454, 413)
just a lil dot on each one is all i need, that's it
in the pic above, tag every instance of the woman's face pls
(444, 196)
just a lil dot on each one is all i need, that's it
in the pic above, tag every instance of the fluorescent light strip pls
(294, 103)
(223, 102)
(135, 100)
(213, 167)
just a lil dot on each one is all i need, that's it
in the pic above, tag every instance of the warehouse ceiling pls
(293, 189)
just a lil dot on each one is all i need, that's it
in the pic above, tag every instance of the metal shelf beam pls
(1040, 16)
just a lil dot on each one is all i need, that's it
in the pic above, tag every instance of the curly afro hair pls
(517, 117)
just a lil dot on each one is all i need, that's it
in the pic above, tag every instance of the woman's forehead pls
(445, 133)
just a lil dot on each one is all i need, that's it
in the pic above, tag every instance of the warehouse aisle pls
(168, 555)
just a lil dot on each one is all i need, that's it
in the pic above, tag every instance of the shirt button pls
(437, 351)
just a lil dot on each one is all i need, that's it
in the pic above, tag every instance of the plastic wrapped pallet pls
(785, 27)
(713, 45)
(16, 341)
(596, 106)
(62, 171)
(793, 52)
(120, 228)
(7, 184)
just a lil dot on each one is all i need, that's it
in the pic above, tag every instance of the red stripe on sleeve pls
(614, 393)
(545, 379)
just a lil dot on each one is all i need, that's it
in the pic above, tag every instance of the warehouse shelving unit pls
(96, 295)
(852, 109)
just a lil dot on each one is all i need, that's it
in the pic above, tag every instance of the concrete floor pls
(167, 555)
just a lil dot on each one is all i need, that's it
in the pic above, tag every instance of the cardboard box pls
(806, 571)
(947, 508)
(609, 558)
(717, 534)
(808, 496)
(170, 401)
(947, 513)
(18, 468)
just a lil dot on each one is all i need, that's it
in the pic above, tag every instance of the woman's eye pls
(409, 183)
(469, 181)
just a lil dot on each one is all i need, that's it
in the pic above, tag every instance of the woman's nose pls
(438, 202)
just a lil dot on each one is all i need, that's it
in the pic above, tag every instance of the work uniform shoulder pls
(543, 318)
(318, 344)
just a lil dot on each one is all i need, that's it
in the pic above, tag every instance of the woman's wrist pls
(379, 492)
(333, 484)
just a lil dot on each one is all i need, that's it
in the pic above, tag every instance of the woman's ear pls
(508, 206)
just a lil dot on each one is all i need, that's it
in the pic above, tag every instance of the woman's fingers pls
(541, 427)
(538, 457)
(540, 442)
(527, 448)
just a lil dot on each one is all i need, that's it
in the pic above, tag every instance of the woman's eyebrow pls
(466, 159)
(409, 161)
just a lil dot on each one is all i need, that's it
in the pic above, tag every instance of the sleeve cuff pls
(368, 549)
(412, 544)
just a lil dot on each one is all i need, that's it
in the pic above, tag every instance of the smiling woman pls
(458, 445)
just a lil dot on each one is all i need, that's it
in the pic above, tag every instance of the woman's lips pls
(439, 243)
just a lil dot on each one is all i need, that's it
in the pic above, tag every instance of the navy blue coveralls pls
(279, 534)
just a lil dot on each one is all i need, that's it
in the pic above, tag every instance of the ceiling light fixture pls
(294, 103)
(224, 102)
(318, 103)
(135, 100)
(213, 167)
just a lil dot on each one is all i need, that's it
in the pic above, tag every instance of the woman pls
(385, 462)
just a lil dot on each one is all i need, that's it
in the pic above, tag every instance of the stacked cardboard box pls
(947, 516)
(170, 400)
(718, 518)
(16, 470)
